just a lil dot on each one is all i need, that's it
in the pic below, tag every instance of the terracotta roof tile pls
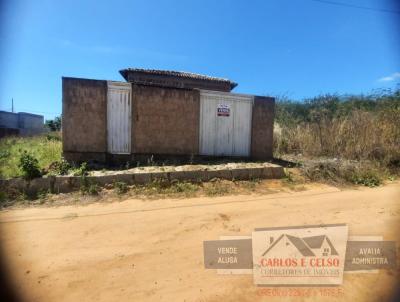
(182, 74)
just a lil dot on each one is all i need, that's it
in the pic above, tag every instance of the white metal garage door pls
(225, 123)
(119, 117)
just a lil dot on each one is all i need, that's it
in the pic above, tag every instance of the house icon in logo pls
(314, 246)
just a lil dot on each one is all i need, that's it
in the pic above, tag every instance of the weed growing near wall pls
(120, 187)
(29, 166)
(11, 148)
(60, 167)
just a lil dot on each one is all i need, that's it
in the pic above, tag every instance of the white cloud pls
(390, 78)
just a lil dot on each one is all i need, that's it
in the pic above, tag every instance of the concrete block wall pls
(84, 119)
(21, 123)
(165, 120)
(9, 120)
(30, 121)
(65, 184)
(262, 128)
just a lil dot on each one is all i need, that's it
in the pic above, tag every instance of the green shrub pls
(82, 170)
(87, 187)
(185, 187)
(60, 167)
(63, 167)
(288, 175)
(43, 150)
(29, 166)
(93, 189)
(369, 179)
(120, 187)
(159, 184)
(42, 194)
(84, 182)
(3, 197)
(53, 137)
(54, 125)
(4, 154)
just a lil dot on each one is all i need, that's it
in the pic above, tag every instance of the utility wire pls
(382, 10)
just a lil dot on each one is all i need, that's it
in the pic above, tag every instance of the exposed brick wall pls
(84, 114)
(165, 120)
(262, 127)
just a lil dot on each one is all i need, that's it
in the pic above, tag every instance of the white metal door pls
(119, 117)
(225, 123)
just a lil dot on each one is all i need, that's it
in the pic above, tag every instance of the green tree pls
(54, 125)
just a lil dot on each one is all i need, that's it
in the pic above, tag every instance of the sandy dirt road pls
(153, 250)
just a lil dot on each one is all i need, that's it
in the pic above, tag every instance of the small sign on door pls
(223, 110)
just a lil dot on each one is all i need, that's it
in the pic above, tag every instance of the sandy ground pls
(139, 250)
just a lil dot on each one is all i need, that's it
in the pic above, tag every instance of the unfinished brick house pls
(163, 113)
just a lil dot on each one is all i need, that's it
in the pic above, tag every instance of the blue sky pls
(297, 48)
